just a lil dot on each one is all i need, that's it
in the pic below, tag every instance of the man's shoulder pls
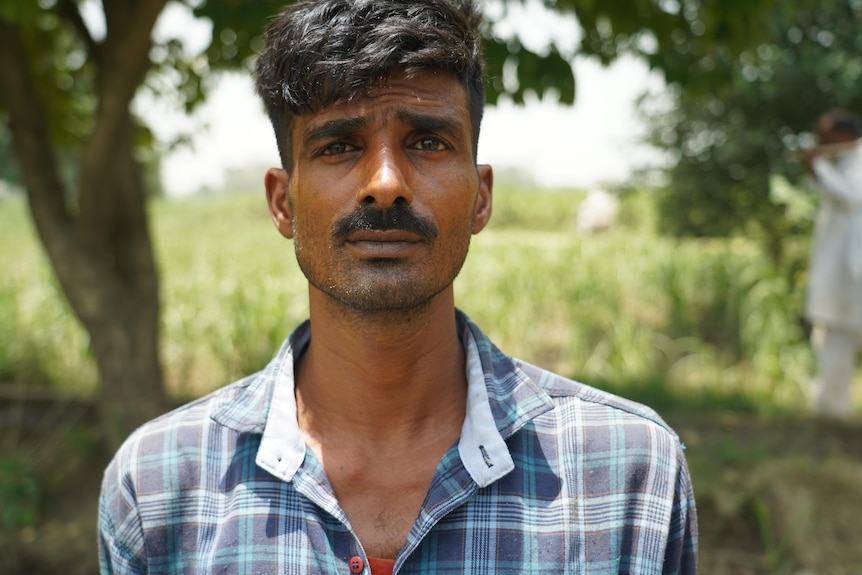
(241, 406)
(594, 403)
(188, 420)
(515, 383)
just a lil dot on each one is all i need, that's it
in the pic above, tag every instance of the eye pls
(337, 148)
(430, 144)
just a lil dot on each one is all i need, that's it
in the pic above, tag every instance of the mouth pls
(382, 243)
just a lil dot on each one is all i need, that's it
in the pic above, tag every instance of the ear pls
(276, 181)
(482, 211)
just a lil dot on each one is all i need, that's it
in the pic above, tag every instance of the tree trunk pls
(121, 310)
(101, 252)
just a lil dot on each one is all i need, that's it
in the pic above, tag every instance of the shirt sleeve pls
(120, 532)
(681, 555)
(845, 188)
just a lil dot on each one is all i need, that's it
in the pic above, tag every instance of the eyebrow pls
(342, 127)
(428, 122)
(334, 128)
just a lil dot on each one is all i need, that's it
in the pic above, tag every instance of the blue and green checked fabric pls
(549, 476)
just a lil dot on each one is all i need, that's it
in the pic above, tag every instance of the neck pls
(382, 376)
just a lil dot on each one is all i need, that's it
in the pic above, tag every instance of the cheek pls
(312, 225)
(464, 209)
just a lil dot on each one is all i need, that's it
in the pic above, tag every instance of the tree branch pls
(69, 10)
(46, 193)
(123, 63)
(30, 136)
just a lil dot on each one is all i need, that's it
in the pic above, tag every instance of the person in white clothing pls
(834, 299)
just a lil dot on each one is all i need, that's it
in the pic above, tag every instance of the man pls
(389, 435)
(834, 303)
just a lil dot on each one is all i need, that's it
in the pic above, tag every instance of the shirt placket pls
(347, 553)
(450, 488)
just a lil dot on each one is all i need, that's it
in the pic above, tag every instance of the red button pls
(356, 564)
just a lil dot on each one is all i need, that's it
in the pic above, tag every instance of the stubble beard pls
(380, 285)
(384, 285)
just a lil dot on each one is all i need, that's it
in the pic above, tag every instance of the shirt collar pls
(500, 400)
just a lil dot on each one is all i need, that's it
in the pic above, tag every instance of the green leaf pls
(19, 12)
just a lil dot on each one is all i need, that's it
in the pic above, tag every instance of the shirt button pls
(356, 564)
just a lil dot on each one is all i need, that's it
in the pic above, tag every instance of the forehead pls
(427, 93)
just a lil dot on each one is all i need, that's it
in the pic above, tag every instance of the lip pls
(382, 244)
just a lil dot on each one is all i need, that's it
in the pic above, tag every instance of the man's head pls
(839, 126)
(320, 52)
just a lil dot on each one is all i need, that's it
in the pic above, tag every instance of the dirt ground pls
(775, 496)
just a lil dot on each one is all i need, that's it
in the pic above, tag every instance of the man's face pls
(383, 193)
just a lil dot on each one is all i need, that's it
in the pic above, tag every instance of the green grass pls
(40, 341)
(679, 324)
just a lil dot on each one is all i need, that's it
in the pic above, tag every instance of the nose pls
(384, 183)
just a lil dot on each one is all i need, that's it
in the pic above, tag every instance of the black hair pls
(845, 121)
(321, 52)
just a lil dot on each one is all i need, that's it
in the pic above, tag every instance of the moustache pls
(398, 217)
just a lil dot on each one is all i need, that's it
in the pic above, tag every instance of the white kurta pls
(835, 273)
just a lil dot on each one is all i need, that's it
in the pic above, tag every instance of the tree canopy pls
(729, 142)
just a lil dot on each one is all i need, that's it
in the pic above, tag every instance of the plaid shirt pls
(549, 476)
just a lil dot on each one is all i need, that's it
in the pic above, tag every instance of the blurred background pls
(651, 233)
